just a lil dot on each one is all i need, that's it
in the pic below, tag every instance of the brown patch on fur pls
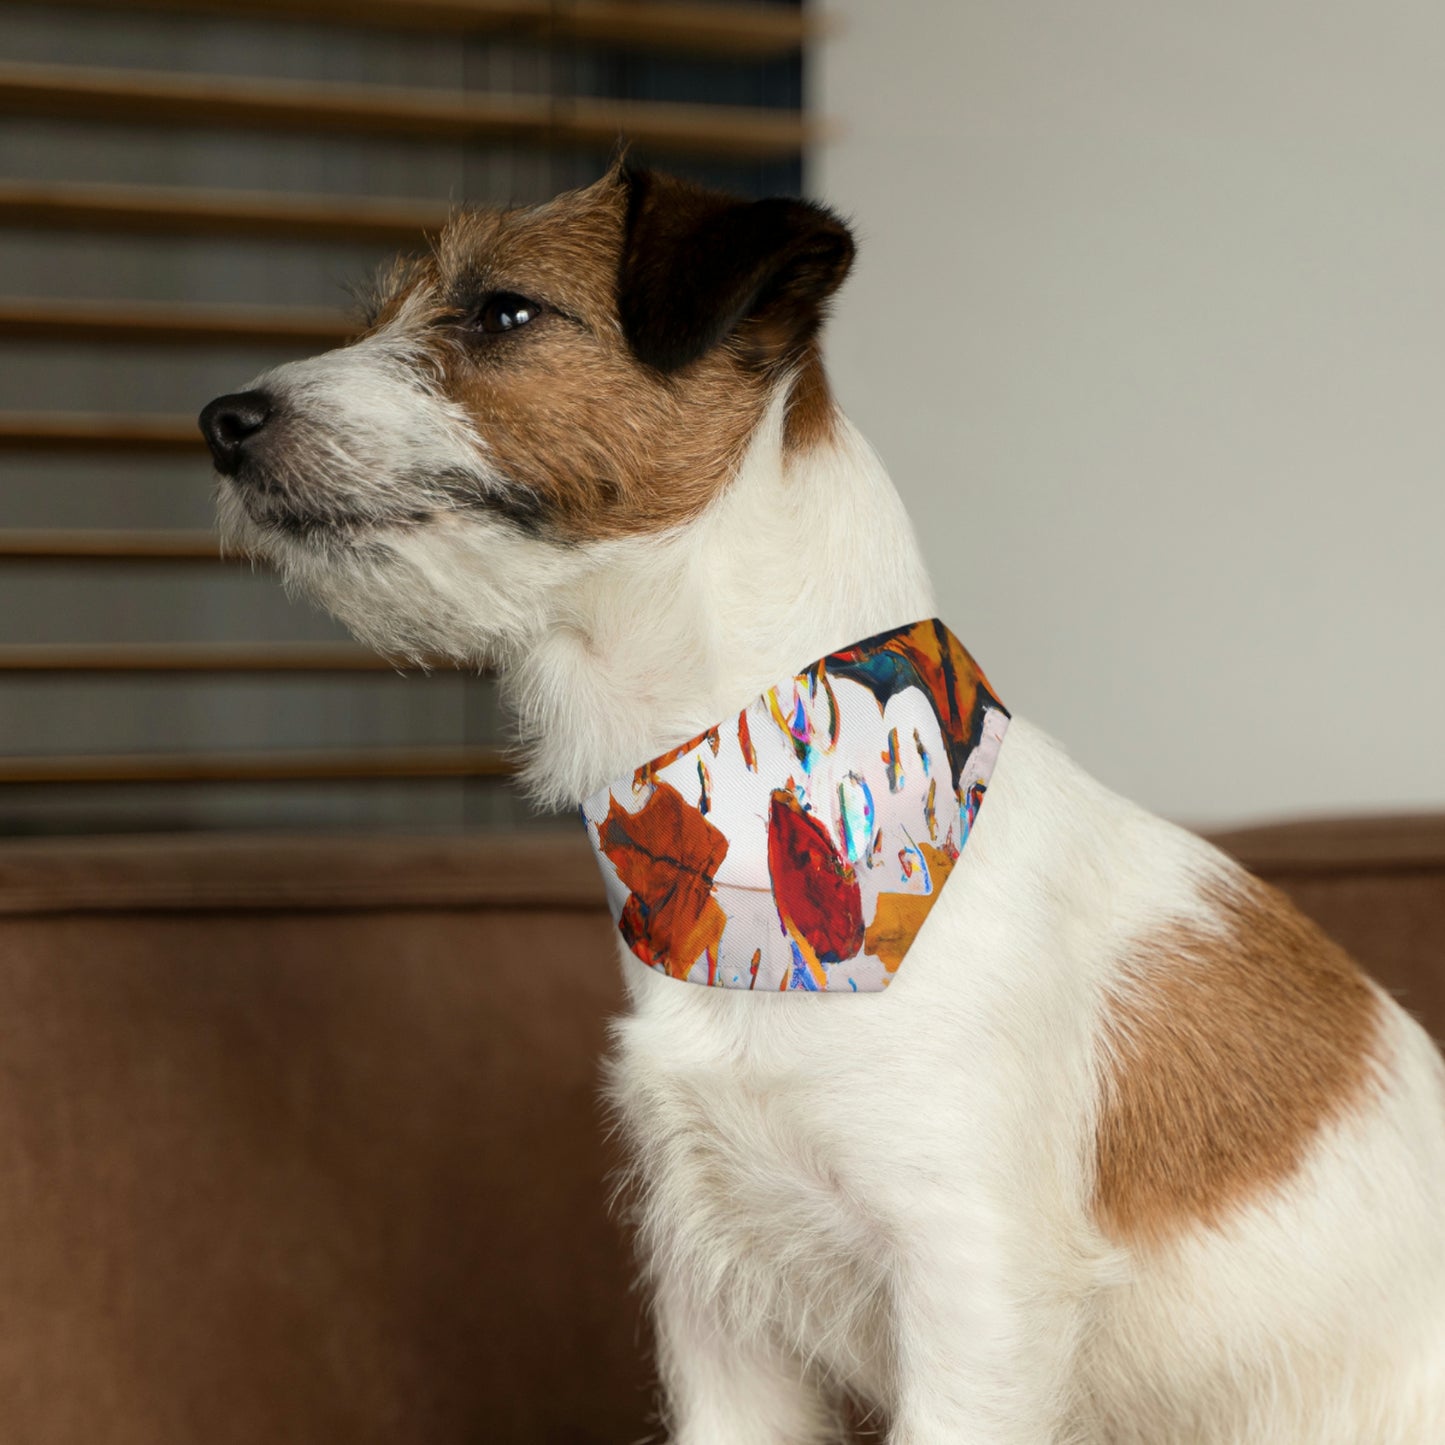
(1228, 1052)
(600, 443)
(812, 415)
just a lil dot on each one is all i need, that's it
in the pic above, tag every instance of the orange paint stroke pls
(668, 855)
(899, 916)
(745, 743)
(647, 772)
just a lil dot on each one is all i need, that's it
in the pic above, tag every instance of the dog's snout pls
(229, 422)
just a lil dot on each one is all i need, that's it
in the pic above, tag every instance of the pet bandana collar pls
(802, 846)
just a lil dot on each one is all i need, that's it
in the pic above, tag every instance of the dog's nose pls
(229, 422)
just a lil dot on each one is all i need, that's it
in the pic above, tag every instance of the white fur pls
(890, 1194)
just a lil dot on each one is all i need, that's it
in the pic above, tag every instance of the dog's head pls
(545, 382)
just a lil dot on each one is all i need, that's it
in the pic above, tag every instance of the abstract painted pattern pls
(802, 845)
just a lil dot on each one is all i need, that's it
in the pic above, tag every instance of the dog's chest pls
(754, 1144)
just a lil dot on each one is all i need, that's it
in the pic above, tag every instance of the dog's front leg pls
(724, 1387)
(985, 1346)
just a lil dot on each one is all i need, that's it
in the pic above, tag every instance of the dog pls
(1127, 1153)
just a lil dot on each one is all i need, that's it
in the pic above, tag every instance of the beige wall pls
(1149, 324)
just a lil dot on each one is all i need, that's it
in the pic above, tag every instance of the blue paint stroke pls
(801, 978)
(857, 814)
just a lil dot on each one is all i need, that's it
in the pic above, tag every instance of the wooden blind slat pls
(707, 29)
(181, 657)
(176, 211)
(160, 98)
(95, 431)
(358, 765)
(169, 323)
(112, 96)
(108, 546)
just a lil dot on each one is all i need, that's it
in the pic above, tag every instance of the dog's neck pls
(805, 552)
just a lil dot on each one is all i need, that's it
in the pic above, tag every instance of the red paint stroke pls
(814, 886)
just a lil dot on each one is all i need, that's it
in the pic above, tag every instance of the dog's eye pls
(505, 311)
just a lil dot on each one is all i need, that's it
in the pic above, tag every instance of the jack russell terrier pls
(1024, 1120)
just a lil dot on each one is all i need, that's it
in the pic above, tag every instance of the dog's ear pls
(699, 267)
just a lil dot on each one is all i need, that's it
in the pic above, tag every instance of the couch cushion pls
(299, 1141)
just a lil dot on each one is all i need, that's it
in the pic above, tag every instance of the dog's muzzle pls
(231, 424)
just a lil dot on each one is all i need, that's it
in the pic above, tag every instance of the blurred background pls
(1148, 326)
(301, 1004)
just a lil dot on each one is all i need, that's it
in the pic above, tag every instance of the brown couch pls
(299, 1141)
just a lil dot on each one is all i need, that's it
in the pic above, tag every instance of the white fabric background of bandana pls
(877, 828)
